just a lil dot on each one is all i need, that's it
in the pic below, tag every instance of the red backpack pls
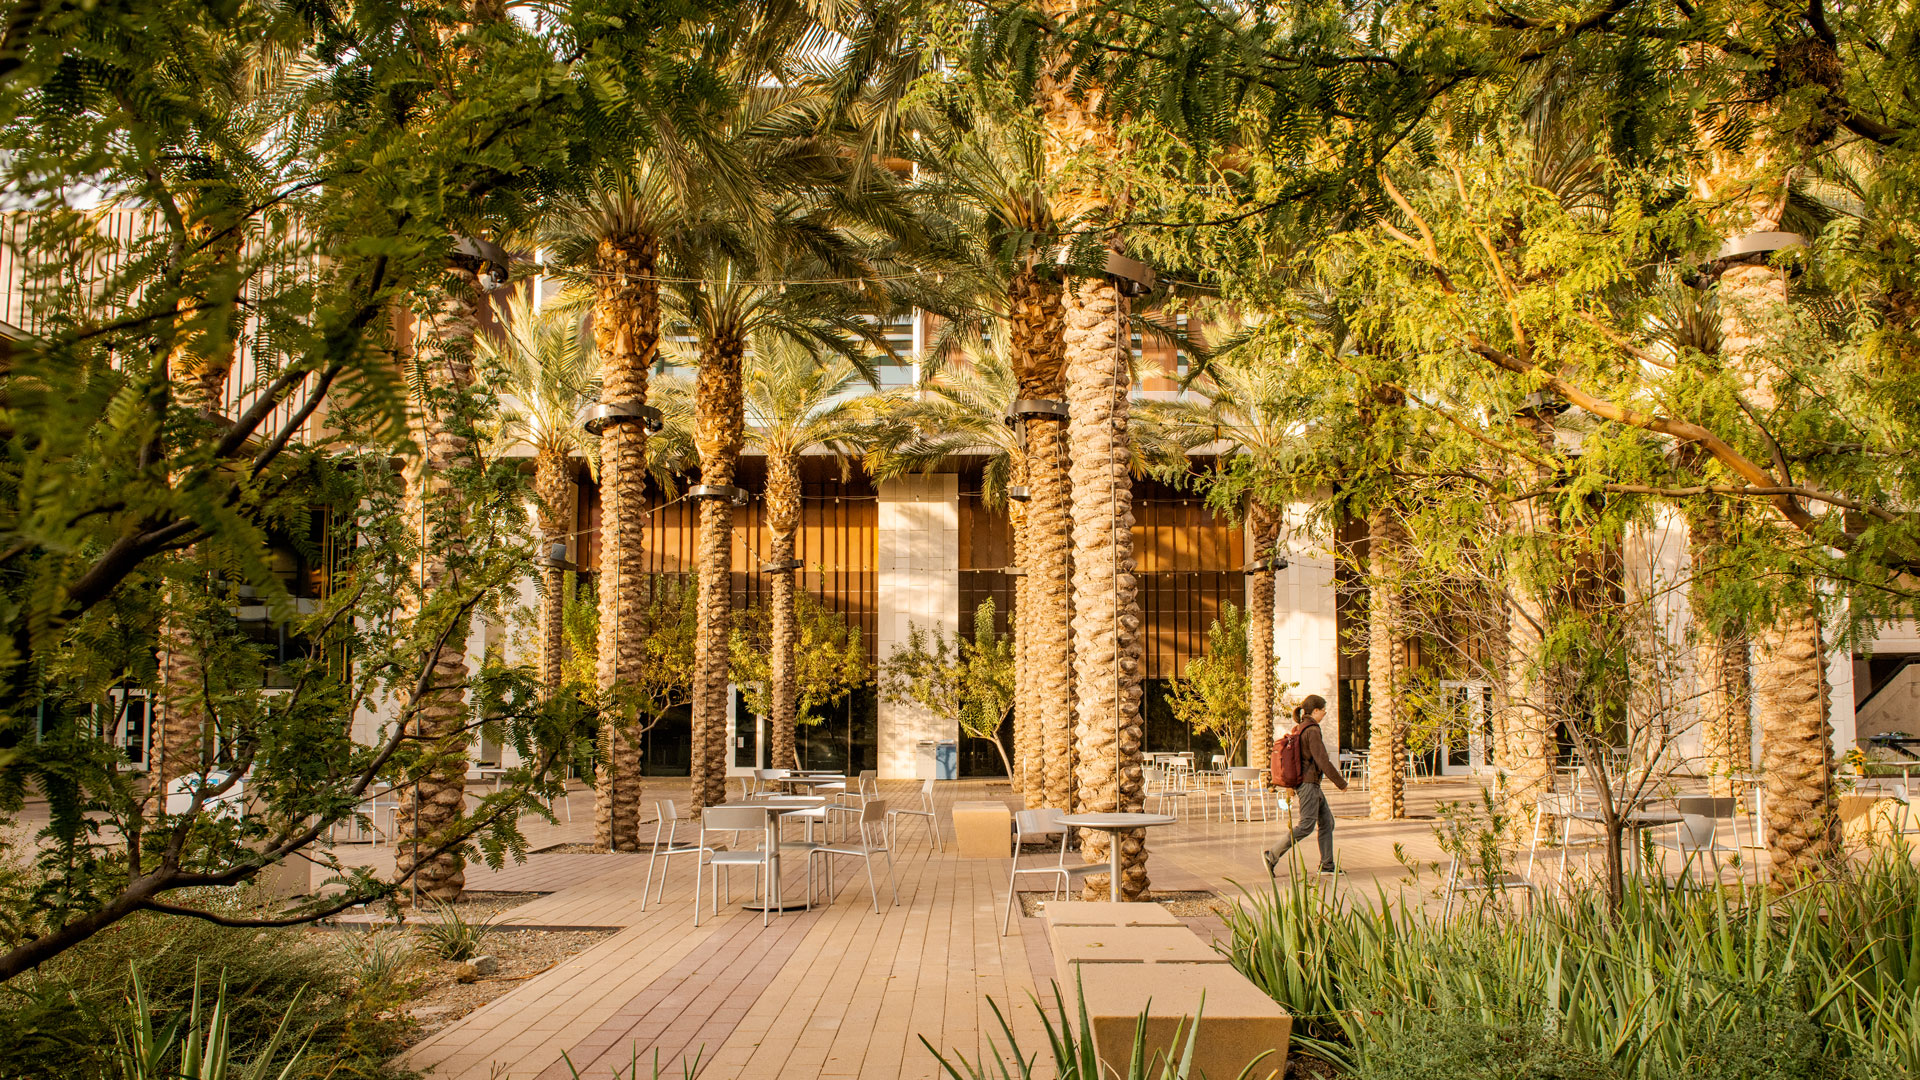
(1285, 766)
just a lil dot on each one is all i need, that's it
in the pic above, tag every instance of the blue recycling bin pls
(946, 760)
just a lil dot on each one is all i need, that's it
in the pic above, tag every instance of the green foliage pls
(829, 659)
(966, 681)
(1073, 1054)
(1213, 695)
(1672, 984)
(451, 936)
(63, 1019)
(149, 1054)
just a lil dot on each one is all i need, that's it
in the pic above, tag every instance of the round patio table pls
(814, 781)
(774, 807)
(1113, 824)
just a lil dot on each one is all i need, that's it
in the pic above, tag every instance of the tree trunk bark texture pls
(553, 483)
(1109, 735)
(434, 800)
(1789, 666)
(1532, 697)
(1021, 616)
(1790, 692)
(626, 331)
(197, 377)
(783, 518)
(1036, 323)
(1264, 522)
(1386, 663)
(1719, 658)
(718, 402)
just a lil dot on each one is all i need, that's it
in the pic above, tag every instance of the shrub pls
(1672, 984)
(451, 936)
(60, 1020)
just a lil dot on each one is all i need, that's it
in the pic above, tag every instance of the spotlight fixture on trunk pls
(598, 418)
(494, 262)
(1277, 562)
(1018, 492)
(724, 492)
(781, 567)
(1131, 276)
(556, 557)
(1027, 408)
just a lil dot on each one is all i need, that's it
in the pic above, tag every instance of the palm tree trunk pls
(1790, 694)
(1109, 735)
(783, 517)
(1530, 696)
(1386, 666)
(434, 799)
(198, 378)
(1035, 322)
(1719, 657)
(1265, 526)
(718, 402)
(553, 483)
(626, 331)
(1790, 673)
(1023, 703)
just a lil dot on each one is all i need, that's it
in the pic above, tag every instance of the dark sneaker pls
(1272, 863)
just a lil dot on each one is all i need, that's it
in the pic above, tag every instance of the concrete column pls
(1306, 650)
(919, 551)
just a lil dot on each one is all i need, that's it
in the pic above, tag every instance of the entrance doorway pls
(1466, 728)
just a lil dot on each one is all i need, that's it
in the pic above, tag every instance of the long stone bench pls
(1237, 1022)
(1134, 959)
(1130, 945)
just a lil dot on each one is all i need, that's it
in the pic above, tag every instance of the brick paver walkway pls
(838, 992)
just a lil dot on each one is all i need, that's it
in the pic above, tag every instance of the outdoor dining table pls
(1633, 821)
(776, 806)
(1112, 825)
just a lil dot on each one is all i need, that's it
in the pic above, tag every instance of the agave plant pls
(206, 1050)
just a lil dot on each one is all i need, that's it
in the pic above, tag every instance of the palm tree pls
(607, 238)
(1244, 409)
(440, 371)
(725, 306)
(1109, 734)
(985, 169)
(549, 376)
(257, 83)
(795, 402)
(1789, 660)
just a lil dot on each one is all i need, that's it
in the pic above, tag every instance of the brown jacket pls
(1314, 764)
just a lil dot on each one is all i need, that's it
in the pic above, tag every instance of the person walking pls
(1300, 762)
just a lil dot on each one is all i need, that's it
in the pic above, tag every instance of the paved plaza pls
(837, 991)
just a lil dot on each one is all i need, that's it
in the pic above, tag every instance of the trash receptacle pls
(948, 760)
(926, 760)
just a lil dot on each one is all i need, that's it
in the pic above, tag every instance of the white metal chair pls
(667, 821)
(1459, 883)
(1157, 790)
(735, 820)
(1563, 807)
(924, 809)
(1244, 792)
(873, 830)
(1028, 823)
(1698, 831)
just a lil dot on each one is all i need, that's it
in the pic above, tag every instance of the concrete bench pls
(1130, 945)
(1237, 1022)
(983, 830)
(1101, 913)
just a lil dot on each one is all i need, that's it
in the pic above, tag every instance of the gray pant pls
(1314, 814)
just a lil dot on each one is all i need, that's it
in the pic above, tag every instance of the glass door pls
(1466, 728)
